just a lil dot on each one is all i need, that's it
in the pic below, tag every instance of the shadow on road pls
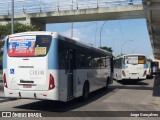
(132, 82)
(55, 106)
(133, 85)
(156, 86)
(150, 77)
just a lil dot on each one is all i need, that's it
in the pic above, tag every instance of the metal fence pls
(34, 6)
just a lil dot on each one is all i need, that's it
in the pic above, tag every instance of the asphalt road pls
(121, 96)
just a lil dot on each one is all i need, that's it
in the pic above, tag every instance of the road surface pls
(121, 96)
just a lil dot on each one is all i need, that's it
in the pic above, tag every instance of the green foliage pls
(18, 27)
(106, 48)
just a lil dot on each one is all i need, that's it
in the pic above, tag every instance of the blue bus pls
(149, 68)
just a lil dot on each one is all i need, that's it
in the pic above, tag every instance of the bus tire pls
(85, 91)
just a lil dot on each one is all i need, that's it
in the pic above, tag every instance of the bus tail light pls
(149, 70)
(144, 73)
(51, 82)
(5, 81)
(123, 73)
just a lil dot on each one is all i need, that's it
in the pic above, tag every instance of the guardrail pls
(34, 6)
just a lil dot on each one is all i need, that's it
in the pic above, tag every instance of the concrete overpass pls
(152, 12)
(96, 13)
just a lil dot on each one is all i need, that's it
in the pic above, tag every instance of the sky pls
(129, 35)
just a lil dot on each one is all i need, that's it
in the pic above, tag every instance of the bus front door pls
(70, 64)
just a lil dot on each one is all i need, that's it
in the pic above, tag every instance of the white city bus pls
(131, 66)
(46, 65)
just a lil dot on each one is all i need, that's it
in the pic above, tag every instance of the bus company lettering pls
(36, 72)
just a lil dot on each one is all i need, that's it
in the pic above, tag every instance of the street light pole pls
(124, 44)
(101, 32)
(72, 30)
(12, 26)
(95, 32)
(113, 46)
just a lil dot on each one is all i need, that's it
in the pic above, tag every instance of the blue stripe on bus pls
(5, 56)
(145, 66)
(123, 66)
(53, 55)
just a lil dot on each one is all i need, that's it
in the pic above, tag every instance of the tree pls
(106, 48)
(18, 27)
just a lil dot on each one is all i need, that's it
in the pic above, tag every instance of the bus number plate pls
(27, 86)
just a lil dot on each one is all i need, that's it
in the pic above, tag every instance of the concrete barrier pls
(156, 86)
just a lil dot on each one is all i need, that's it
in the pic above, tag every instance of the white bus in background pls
(131, 66)
(46, 65)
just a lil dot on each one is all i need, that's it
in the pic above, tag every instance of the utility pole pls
(12, 26)
(72, 24)
(124, 44)
(101, 32)
(72, 30)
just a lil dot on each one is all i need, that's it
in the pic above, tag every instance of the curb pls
(7, 99)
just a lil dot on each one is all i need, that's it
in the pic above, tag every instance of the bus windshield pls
(134, 60)
(25, 46)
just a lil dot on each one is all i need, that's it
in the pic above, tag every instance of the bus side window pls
(94, 62)
(89, 61)
(103, 61)
(81, 60)
(62, 57)
(108, 62)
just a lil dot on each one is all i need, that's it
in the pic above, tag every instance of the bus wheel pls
(85, 91)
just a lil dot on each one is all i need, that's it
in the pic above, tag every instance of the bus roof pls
(32, 33)
(122, 56)
(56, 34)
(133, 55)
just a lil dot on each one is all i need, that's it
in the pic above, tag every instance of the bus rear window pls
(134, 60)
(26, 46)
(141, 60)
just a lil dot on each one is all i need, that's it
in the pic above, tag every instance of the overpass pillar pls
(41, 26)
